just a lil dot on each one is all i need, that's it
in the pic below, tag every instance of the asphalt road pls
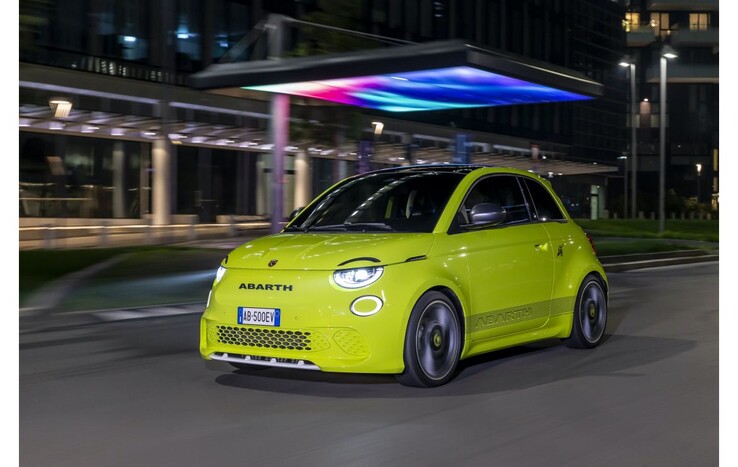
(137, 393)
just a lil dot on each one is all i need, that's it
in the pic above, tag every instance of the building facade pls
(109, 129)
(691, 29)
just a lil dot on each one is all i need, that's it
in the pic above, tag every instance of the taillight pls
(591, 243)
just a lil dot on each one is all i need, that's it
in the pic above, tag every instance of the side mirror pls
(486, 215)
(294, 213)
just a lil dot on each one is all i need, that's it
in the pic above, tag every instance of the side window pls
(545, 205)
(503, 190)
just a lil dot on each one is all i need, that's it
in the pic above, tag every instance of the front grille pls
(270, 338)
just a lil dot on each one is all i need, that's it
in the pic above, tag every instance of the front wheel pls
(432, 342)
(590, 315)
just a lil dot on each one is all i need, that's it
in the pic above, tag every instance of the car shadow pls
(515, 368)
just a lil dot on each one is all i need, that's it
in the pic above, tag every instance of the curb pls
(653, 263)
(622, 263)
(45, 300)
(60, 321)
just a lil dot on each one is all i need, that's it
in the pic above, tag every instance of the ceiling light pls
(61, 107)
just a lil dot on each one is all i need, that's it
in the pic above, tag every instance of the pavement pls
(41, 311)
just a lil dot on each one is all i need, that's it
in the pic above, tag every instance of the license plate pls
(259, 316)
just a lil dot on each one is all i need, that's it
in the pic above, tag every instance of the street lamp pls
(667, 53)
(699, 174)
(629, 62)
(624, 158)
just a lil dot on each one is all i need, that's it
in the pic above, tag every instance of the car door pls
(510, 264)
(547, 212)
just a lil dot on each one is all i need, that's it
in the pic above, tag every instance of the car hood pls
(328, 251)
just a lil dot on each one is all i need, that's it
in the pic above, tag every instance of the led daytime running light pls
(357, 278)
(219, 274)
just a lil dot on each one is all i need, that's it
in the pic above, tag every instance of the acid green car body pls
(492, 286)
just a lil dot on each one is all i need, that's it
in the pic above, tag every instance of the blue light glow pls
(442, 88)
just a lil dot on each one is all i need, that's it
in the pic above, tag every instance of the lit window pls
(660, 24)
(699, 21)
(632, 21)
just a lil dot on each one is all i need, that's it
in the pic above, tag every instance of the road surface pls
(137, 393)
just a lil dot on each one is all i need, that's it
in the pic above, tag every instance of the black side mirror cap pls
(294, 213)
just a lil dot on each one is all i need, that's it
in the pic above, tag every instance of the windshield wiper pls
(350, 226)
(337, 227)
(364, 226)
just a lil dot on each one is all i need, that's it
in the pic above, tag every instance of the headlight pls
(219, 274)
(356, 278)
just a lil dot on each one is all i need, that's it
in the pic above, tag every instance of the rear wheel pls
(432, 342)
(590, 315)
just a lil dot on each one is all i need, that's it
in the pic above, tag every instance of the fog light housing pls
(366, 305)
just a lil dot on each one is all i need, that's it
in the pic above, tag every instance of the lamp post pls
(629, 62)
(624, 158)
(667, 53)
(699, 175)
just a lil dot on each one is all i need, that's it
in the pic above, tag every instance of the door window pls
(546, 208)
(503, 190)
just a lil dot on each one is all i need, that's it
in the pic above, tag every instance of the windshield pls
(385, 201)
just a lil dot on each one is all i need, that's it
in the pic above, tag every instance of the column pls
(280, 110)
(161, 155)
(262, 182)
(302, 180)
(205, 205)
(119, 180)
(461, 149)
(342, 170)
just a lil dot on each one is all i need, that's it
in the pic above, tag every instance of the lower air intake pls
(270, 338)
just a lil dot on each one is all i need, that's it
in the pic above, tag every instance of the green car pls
(407, 271)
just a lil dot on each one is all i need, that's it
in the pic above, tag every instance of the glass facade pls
(692, 123)
(70, 176)
(213, 182)
(159, 41)
(109, 172)
(586, 36)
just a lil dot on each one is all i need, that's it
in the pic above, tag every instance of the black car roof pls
(458, 168)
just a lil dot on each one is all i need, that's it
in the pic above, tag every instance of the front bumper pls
(324, 348)
(317, 326)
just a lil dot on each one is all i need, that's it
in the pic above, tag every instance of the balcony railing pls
(103, 65)
(695, 37)
(685, 73)
(640, 36)
(682, 5)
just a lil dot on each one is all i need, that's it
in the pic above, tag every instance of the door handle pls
(541, 246)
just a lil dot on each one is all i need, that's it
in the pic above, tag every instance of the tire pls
(590, 315)
(433, 342)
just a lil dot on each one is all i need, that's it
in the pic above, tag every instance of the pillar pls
(161, 160)
(280, 110)
(119, 180)
(302, 179)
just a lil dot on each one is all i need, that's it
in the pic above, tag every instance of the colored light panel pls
(443, 88)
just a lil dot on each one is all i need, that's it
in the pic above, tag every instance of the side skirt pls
(557, 327)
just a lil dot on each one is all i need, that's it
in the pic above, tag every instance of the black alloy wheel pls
(590, 315)
(432, 342)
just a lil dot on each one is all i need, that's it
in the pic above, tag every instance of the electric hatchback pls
(407, 271)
